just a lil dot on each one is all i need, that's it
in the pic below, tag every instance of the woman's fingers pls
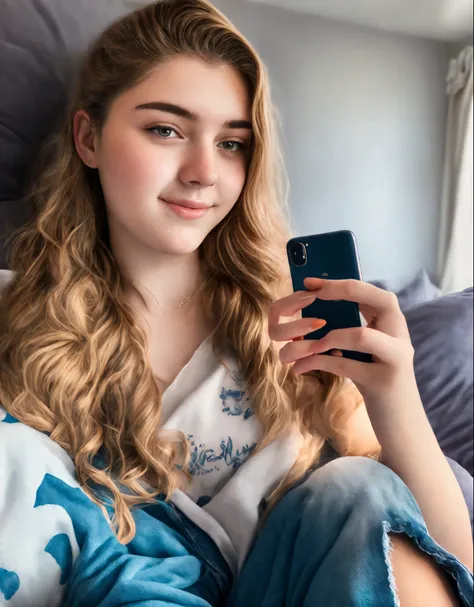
(299, 348)
(359, 339)
(288, 307)
(354, 370)
(372, 302)
(295, 329)
(363, 339)
(354, 290)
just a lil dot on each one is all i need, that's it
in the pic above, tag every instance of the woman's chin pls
(180, 245)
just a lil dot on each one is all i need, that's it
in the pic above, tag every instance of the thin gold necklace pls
(183, 302)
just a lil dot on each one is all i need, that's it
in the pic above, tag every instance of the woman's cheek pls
(138, 172)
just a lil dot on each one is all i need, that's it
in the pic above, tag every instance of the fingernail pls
(307, 296)
(318, 323)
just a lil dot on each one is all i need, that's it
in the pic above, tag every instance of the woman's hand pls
(386, 337)
(392, 400)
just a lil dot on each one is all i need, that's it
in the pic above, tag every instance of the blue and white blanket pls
(57, 547)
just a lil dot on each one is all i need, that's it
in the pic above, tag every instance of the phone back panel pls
(331, 255)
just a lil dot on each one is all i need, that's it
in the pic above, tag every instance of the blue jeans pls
(325, 544)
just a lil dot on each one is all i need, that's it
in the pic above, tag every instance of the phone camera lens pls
(297, 253)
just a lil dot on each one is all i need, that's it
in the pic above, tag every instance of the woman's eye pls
(233, 146)
(164, 132)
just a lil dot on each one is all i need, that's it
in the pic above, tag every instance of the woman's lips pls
(185, 212)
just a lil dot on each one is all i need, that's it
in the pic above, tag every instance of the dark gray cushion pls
(442, 334)
(40, 43)
(419, 290)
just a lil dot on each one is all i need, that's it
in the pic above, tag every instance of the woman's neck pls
(163, 279)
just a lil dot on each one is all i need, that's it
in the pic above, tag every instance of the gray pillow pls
(40, 43)
(442, 334)
(420, 289)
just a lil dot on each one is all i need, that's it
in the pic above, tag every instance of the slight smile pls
(187, 209)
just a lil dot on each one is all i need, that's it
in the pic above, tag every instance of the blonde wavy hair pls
(73, 358)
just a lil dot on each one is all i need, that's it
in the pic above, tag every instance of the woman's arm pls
(421, 464)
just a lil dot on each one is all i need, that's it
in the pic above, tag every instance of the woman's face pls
(182, 135)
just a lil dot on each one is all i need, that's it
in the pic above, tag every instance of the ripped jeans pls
(325, 544)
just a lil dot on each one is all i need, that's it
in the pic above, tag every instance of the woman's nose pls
(200, 167)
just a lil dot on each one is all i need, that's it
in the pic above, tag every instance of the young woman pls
(165, 430)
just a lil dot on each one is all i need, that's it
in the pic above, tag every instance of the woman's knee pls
(335, 531)
(355, 483)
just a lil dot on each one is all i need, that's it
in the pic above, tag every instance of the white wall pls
(363, 114)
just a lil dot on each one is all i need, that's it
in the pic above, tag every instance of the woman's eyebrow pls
(177, 110)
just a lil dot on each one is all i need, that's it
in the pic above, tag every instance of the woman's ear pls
(85, 139)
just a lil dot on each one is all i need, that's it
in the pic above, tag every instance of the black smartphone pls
(332, 255)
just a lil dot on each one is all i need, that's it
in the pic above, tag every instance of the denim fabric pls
(215, 581)
(326, 544)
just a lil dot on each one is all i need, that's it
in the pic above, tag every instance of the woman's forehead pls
(210, 92)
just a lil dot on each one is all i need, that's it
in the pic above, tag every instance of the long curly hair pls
(73, 359)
